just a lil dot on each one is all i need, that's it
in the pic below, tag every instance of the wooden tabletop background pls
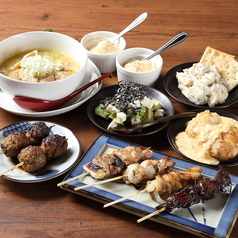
(43, 209)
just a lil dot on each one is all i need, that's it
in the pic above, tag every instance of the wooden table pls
(43, 209)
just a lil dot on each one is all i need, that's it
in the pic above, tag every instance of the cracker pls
(225, 63)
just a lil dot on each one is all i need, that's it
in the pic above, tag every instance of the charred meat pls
(54, 146)
(12, 144)
(172, 182)
(202, 190)
(113, 163)
(33, 158)
(37, 131)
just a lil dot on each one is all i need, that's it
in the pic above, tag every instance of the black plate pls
(171, 86)
(109, 92)
(179, 125)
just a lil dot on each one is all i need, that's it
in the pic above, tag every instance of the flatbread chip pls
(226, 64)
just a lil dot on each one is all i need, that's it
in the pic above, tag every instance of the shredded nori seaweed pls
(125, 95)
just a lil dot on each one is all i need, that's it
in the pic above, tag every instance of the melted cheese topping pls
(200, 135)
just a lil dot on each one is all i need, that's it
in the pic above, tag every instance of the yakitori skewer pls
(151, 215)
(167, 183)
(12, 144)
(109, 164)
(100, 182)
(123, 198)
(136, 173)
(74, 178)
(148, 169)
(11, 169)
(34, 157)
(202, 190)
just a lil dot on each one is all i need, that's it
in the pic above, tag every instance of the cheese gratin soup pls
(209, 138)
(41, 65)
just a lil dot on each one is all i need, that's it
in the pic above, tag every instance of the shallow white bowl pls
(43, 40)
(106, 63)
(144, 78)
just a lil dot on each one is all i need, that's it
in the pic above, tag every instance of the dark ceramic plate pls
(179, 125)
(109, 92)
(171, 86)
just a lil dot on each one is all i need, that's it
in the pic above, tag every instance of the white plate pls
(213, 218)
(9, 105)
(53, 168)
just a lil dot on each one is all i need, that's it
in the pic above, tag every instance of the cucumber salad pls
(129, 106)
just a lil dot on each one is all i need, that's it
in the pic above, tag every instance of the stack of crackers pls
(226, 64)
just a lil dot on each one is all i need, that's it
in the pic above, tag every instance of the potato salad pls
(202, 85)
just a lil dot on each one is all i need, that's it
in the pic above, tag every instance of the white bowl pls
(144, 78)
(106, 63)
(43, 40)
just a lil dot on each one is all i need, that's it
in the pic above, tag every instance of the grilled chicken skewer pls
(172, 182)
(136, 173)
(108, 165)
(148, 169)
(202, 190)
(167, 183)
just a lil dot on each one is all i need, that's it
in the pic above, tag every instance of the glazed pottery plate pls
(179, 125)
(110, 92)
(171, 86)
(7, 103)
(214, 218)
(53, 168)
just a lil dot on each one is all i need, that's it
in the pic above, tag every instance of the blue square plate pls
(214, 218)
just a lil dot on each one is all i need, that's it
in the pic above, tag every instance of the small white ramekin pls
(144, 78)
(106, 63)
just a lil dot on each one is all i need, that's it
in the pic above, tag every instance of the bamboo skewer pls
(100, 182)
(72, 179)
(151, 215)
(12, 168)
(123, 198)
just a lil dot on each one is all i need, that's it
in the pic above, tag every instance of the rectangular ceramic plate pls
(214, 218)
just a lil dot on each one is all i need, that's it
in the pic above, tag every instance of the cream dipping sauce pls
(105, 47)
(140, 66)
(195, 142)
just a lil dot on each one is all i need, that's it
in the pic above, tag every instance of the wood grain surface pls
(43, 209)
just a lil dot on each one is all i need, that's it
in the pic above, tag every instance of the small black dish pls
(179, 125)
(171, 86)
(109, 92)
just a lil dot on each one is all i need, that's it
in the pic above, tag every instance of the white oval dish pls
(53, 168)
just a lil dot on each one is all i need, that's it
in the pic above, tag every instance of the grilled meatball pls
(54, 146)
(37, 131)
(12, 144)
(33, 158)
